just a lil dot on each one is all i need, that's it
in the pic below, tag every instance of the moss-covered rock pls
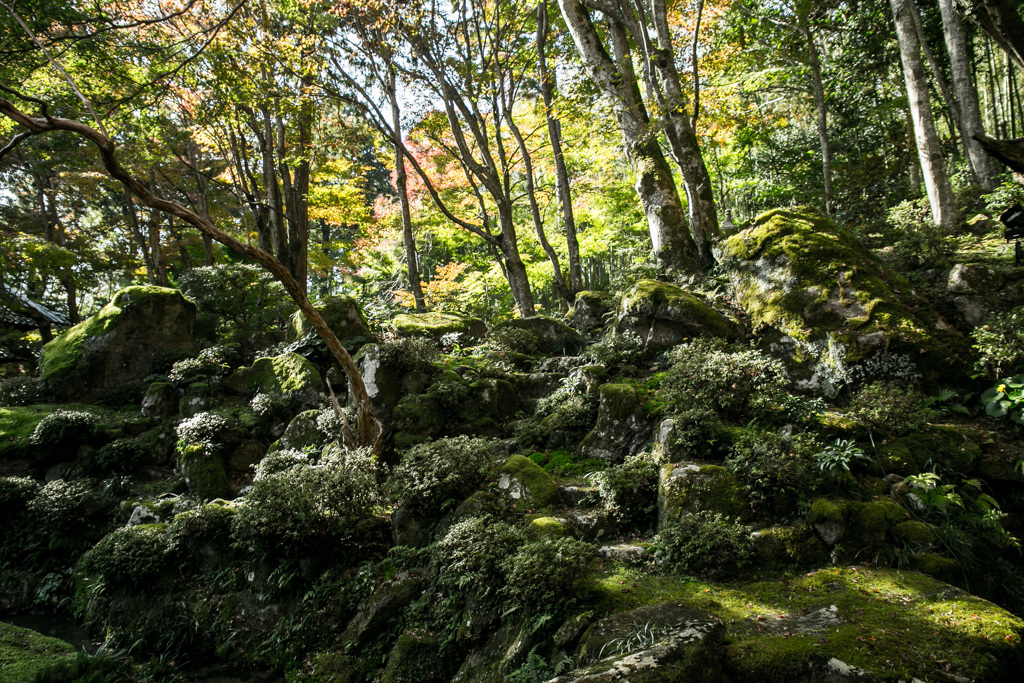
(417, 418)
(527, 484)
(304, 432)
(383, 383)
(288, 374)
(828, 518)
(436, 325)
(689, 487)
(342, 315)
(16, 426)
(161, 400)
(622, 429)
(414, 658)
(118, 344)
(541, 527)
(590, 310)
(553, 336)
(204, 472)
(779, 546)
(663, 315)
(836, 311)
(946, 445)
(24, 653)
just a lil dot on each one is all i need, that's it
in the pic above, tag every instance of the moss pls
(436, 325)
(868, 523)
(16, 427)
(781, 546)
(23, 653)
(414, 658)
(824, 510)
(941, 444)
(204, 472)
(553, 528)
(62, 354)
(332, 667)
(693, 488)
(649, 295)
(541, 490)
(342, 315)
(894, 624)
(914, 534)
(416, 419)
(288, 373)
(941, 568)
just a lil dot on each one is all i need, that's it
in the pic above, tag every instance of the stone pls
(416, 419)
(663, 315)
(190, 406)
(143, 515)
(204, 472)
(980, 224)
(119, 343)
(526, 484)
(819, 299)
(579, 496)
(303, 432)
(383, 607)
(436, 325)
(553, 336)
(690, 487)
(409, 529)
(415, 657)
(592, 524)
(625, 552)
(590, 310)
(246, 456)
(622, 429)
(342, 315)
(288, 374)
(973, 278)
(553, 528)
(383, 384)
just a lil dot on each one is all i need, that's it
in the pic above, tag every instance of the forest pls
(485, 341)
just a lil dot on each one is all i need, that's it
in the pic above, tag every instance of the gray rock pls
(622, 429)
(579, 496)
(384, 606)
(161, 400)
(832, 670)
(190, 406)
(590, 310)
(625, 552)
(246, 455)
(143, 515)
(973, 278)
(663, 315)
(303, 432)
(592, 525)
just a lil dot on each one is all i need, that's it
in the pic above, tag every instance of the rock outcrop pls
(663, 315)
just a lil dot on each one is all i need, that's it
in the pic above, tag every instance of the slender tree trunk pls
(818, 88)
(984, 167)
(954, 119)
(402, 190)
(515, 269)
(659, 197)
(936, 182)
(547, 90)
(132, 218)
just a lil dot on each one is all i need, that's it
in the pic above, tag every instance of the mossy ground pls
(24, 652)
(897, 624)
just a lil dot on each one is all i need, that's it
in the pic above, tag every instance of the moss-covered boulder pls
(24, 653)
(590, 310)
(663, 315)
(341, 313)
(622, 428)
(690, 487)
(289, 374)
(161, 400)
(417, 418)
(204, 472)
(383, 382)
(414, 658)
(553, 336)
(118, 344)
(823, 303)
(527, 485)
(437, 325)
(947, 445)
(305, 432)
(857, 527)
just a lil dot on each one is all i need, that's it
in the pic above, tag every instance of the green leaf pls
(996, 408)
(991, 395)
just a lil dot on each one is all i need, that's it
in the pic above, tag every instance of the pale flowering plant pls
(1006, 399)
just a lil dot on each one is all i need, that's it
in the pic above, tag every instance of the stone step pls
(579, 496)
(591, 524)
(625, 552)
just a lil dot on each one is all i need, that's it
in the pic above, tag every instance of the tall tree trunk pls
(1000, 20)
(673, 246)
(954, 120)
(515, 269)
(132, 218)
(547, 90)
(818, 88)
(985, 168)
(401, 188)
(936, 182)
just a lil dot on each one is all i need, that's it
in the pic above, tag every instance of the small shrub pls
(1000, 343)
(15, 494)
(20, 391)
(124, 456)
(630, 491)
(129, 555)
(450, 391)
(239, 299)
(64, 427)
(279, 461)
(436, 475)
(913, 240)
(322, 510)
(561, 419)
(543, 574)
(734, 383)
(889, 409)
(704, 544)
(777, 473)
(835, 460)
(621, 354)
(410, 354)
(61, 503)
(84, 668)
(202, 428)
(165, 360)
(272, 406)
(469, 560)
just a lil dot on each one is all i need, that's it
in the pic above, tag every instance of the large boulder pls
(553, 336)
(288, 374)
(622, 427)
(436, 325)
(118, 344)
(663, 315)
(590, 310)
(832, 311)
(342, 315)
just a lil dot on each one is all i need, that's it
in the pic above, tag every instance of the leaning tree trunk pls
(985, 168)
(673, 246)
(367, 431)
(936, 182)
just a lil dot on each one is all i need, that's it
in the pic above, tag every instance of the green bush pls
(20, 391)
(201, 428)
(436, 475)
(505, 340)
(737, 384)
(630, 491)
(129, 555)
(64, 428)
(1000, 343)
(777, 473)
(61, 503)
(83, 668)
(280, 461)
(912, 240)
(560, 421)
(165, 360)
(704, 544)
(124, 456)
(890, 410)
(545, 573)
(323, 510)
(470, 559)
(410, 354)
(239, 299)
(15, 493)
(621, 354)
